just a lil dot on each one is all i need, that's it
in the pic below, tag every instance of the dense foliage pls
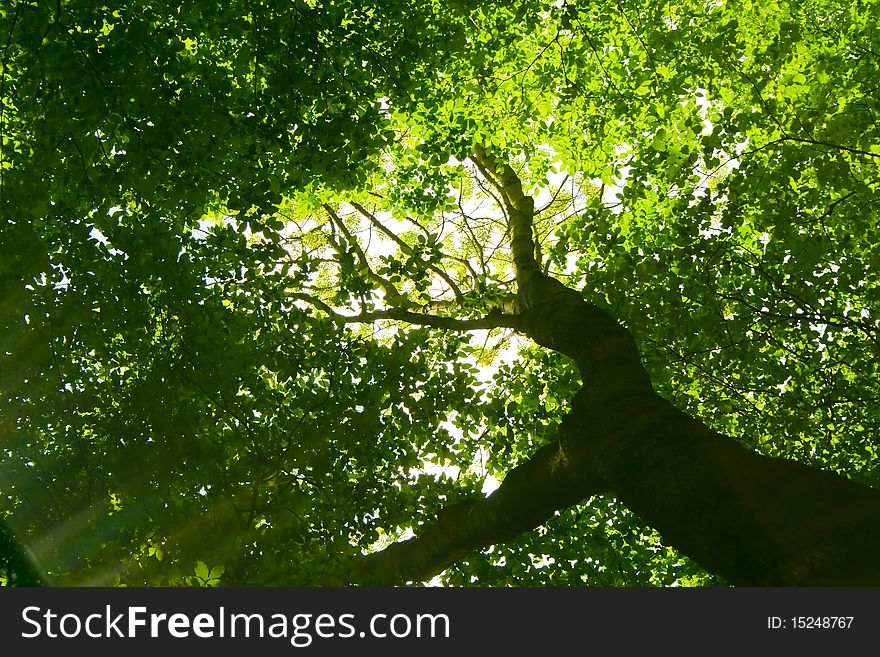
(220, 224)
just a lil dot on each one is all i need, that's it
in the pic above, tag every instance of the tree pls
(247, 249)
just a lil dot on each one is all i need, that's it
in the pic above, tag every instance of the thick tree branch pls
(528, 496)
(493, 320)
(520, 211)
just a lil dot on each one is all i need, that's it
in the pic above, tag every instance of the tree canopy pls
(284, 284)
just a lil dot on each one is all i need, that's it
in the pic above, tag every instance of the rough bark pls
(745, 517)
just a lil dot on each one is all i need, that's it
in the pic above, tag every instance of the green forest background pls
(250, 257)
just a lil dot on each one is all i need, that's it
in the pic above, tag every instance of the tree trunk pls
(750, 519)
(746, 517)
